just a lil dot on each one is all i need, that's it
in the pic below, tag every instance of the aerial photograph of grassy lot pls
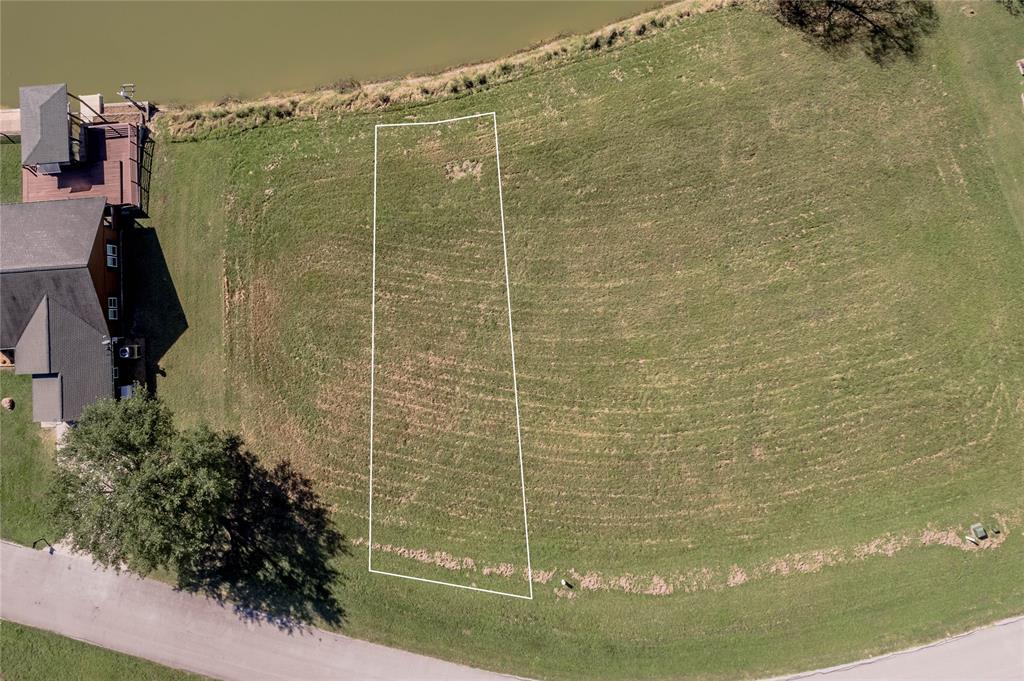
(710, 378)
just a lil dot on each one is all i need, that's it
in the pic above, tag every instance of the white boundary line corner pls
(512, 349)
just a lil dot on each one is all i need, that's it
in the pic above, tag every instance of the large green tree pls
(137, 493)
(105, 497)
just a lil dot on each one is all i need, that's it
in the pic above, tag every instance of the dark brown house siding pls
(106, 279)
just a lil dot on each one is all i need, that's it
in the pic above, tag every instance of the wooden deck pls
(111, 170)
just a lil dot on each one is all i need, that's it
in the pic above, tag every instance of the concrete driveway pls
(67, 595)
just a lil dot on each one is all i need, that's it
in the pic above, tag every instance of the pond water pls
(204, 51)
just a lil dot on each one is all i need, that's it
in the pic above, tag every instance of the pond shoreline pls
(195, 121)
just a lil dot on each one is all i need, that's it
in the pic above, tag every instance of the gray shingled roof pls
(49, 309)
(69, 363)
(48, 234)
(44, 124)
(20, 293)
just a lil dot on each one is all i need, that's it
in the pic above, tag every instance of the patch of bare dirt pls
(505, 570)
(882, 546)
(737, 576)
(454, 170)
(543, 576)
(658, 587)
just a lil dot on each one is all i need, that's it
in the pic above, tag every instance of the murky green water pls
(202, 51)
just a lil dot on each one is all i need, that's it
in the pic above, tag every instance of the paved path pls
(141, 617)
(993, 653)
(145, 618)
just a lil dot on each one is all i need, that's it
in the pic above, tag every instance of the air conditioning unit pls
(129, 352)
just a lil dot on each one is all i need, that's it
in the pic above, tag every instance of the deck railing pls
(135, 163)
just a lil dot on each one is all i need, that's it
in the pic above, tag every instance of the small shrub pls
(481, 79)
(505, 67)
(346, 85)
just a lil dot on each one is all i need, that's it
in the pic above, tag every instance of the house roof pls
(50, 311)
(21, 292)
(44, 124)
(49, 234)
(68, 360)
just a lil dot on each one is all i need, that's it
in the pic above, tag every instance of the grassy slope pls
(439, 241)
(841, 298)
(986, 53)
(187, 204)
(33, 655)
(767, 304)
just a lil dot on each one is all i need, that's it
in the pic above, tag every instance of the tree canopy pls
(139, 494)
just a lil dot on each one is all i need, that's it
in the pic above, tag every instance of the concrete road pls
(993, 653)
(148, 619)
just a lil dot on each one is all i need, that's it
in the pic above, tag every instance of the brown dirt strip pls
(714, 578)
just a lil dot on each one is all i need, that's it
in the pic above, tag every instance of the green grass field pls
(33, 655)
(26, 459)
(769, 316)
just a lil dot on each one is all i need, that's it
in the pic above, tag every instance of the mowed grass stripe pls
(445, 449)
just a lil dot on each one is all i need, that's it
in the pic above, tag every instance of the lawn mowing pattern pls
(444, 410)
(769, 307)
(33, 655)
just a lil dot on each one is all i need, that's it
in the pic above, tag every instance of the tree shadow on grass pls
(275, 564)
(1014, 7)
(882, 29)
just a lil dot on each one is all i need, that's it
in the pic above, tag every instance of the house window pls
(116, 374)
(111, 255)
(112, 308)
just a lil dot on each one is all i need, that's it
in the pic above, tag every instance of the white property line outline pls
(512, 349)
